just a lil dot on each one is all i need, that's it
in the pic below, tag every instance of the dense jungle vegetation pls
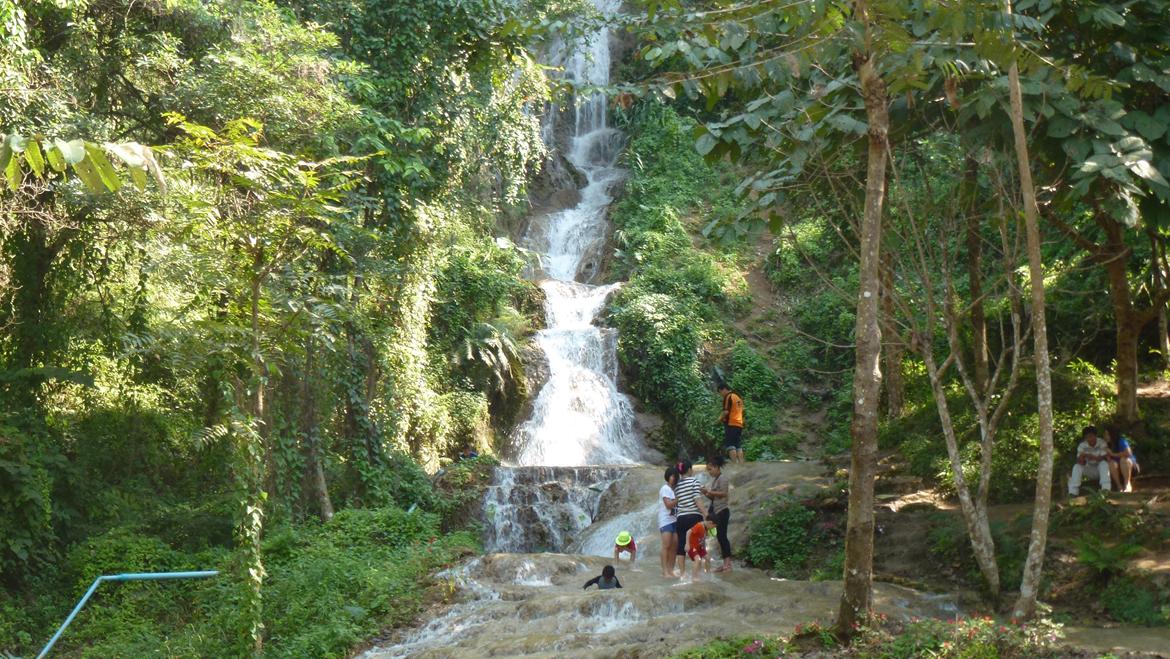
(261, 280)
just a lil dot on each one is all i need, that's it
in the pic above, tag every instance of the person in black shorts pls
(686, 492)
(732, 420)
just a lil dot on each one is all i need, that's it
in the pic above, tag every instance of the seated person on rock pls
(624, 542)
(1092, 457)
(605, 581)
(1122, 461)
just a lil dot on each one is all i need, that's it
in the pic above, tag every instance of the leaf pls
(129, 153)
(89, 175)
(12, 173)
(36, 161)
(847, 124)
(705, 144)
(17, 143)
(53, 154)
(1146, 170)
(1147, 126)
(1105, 16)
(1099, 162)
(102, 166)
(72, 152)
(1061, 126)
(1109, 127)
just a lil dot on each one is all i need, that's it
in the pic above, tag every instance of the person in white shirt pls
(1092, 456)
(666, 522)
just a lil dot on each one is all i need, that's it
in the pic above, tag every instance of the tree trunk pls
(1127, 322)
(975, 279)
(974, 514)
(314, 469)
(893, 348)
(1025, 606)
(1164, 336)
(857, 596)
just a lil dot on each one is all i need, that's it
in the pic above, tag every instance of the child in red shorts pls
(697, 544)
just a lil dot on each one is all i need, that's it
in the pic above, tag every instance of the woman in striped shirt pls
(686, 493)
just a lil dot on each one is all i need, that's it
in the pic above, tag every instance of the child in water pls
(605, 581)
(624, 542)
(697, 544)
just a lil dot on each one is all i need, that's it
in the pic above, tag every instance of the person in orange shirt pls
(697, 544)
(732, 420)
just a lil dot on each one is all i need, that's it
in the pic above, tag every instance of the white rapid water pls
(563, 457)
(579, 417)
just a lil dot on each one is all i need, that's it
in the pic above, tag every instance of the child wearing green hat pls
(625, 543)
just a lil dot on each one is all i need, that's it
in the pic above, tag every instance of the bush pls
(337, 583)
(25, 502)
(771, 447)
(328, 587)
(1103, 559)
(961, 638)
(740, 646)
(783, 540)
(949, 544)
(677, 298)
(1128, 601)
(1084, 396)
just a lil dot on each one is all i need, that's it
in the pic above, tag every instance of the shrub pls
(771, 447)
(677, 298)
(1129, 601)
(1105, 560)
(783, 540)
(25, 501)
(328, 587)
(961, 638)
(949, 543)
(1084, 396)
(740, 646)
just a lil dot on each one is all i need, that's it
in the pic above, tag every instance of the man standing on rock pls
(732, 420)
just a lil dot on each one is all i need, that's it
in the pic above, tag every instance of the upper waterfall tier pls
(579, 417)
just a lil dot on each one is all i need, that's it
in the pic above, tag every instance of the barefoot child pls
(697, 544)
(624, 542)
(605, 581)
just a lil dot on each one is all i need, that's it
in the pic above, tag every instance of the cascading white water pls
(579, 418)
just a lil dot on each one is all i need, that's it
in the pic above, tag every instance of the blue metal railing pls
(131, 576)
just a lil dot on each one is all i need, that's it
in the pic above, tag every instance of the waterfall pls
(579, 417)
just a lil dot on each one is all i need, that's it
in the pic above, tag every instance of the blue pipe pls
(129, 576)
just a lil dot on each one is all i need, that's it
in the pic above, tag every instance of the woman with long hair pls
(666, 522)
(1122, 461)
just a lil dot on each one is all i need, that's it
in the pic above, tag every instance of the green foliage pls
(1105, 559)
(965, 638)
(25, 501)
(1136, 602)
(677, 298)
(740, 646)
(1084, 396)
(784, 539)
(43, 158)
(328, 587)
(771, 447)
(187, 364)
(950, 545)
